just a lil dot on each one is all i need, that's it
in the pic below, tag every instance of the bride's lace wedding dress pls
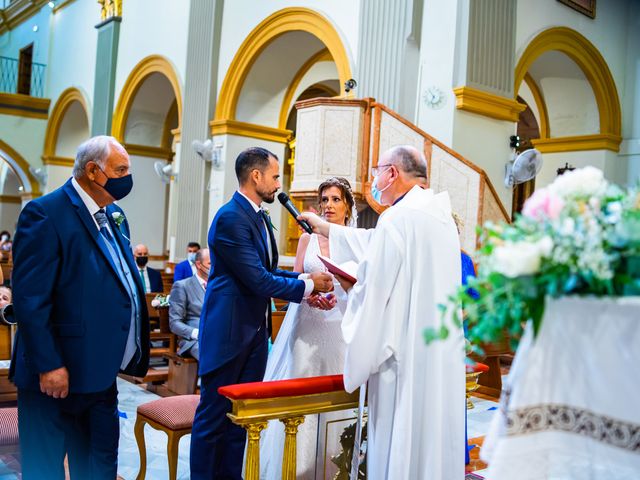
(309, 344)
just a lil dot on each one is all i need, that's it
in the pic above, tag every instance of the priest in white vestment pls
(408, 265)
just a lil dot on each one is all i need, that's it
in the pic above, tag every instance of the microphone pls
(284, 199)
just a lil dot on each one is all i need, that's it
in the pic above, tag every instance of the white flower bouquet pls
(160, 301)
(578, 236)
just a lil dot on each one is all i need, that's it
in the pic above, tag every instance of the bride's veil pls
(277, 365)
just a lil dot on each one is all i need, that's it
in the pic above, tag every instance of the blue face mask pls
(375, 192)
(191, 256)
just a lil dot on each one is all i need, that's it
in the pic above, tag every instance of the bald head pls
(406, 167)
(140, 250)
(409, 161)
(203, 263)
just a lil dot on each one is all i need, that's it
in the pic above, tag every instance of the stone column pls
(189, 196)
(388, 55)
(105, 79)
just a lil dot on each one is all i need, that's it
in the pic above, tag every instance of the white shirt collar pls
(202, 282)
(89, 202)
(251, 202)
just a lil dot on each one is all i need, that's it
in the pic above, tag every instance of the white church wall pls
(150, 27)
(9, 213)
(437, 57)
(223, 183)
(571, 107)
(485, 142)
(57, 175)
(319, 72)
(145, 206)
(25, 136)
(245, 15)
(22, 35)
(73, 30)
(265, 86)
(605, 160)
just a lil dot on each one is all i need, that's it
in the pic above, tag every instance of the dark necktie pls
(101, 218)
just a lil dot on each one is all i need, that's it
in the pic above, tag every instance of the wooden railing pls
(473, 196)
(254, 404)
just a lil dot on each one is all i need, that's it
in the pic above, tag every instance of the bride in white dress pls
(309, 343)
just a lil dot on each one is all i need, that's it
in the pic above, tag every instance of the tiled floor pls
(130, 396)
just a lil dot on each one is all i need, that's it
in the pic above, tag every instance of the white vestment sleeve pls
(348, 243)
(369, 328)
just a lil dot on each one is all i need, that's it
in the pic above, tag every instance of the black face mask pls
(118, 187)
(142, 261)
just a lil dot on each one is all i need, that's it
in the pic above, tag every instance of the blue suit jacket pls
(71, 306)
(241, 284)
(155, 280)
(182, 271)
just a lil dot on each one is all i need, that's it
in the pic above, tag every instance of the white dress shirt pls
(89, 202)
(308, 289)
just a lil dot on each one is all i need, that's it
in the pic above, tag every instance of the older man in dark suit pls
(185, 306)
(82, 318)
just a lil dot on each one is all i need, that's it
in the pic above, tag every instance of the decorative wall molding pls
(59, 161)
(322, 56)
(148, 151)
(590, 61)
(61, 5)
(282, 21)
(147, 66)
(19, 11)
(242, 129)
(65, 100)
(21, 167)
(24, 106)
(487, 104)
(540, 104)
(579, 143)
(11, 199)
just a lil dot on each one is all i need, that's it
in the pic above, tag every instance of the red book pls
(347, 270)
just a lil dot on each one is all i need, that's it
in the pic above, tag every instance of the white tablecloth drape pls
(570, 408)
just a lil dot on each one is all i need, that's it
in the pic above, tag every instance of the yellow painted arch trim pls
(540, 104)
(147, 66)
(322, 56)
(23, 165)
(282, 21)
(65, 100)
(590, 61)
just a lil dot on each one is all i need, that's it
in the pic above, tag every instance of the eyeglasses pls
(375, 171)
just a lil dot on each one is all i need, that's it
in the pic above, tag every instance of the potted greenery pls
(580, 236)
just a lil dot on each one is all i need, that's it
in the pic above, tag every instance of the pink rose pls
(543, 204)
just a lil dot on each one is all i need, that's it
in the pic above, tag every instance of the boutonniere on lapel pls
(269, 217)
(118, 218)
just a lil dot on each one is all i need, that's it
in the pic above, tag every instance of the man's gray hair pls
(96, 149)
(200, 254)
(410, 160)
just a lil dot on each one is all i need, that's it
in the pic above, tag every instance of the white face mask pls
(191, 256)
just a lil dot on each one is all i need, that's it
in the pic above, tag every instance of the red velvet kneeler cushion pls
(477, 367)
(283, 388)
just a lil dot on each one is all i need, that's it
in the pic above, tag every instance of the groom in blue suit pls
(236, 315)
(81, 317)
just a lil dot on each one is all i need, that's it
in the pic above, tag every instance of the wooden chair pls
(183, 374)
(276, 322)
(9, 430)
(172, 415)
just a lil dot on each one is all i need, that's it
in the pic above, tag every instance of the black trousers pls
(84, 425)
(217, 445)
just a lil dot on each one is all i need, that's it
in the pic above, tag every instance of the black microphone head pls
(283, 198)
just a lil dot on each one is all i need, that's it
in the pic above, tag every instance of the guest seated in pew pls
(5, 296)
(187, 268)
(5, 241)
(150, 277)
(185, 306)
